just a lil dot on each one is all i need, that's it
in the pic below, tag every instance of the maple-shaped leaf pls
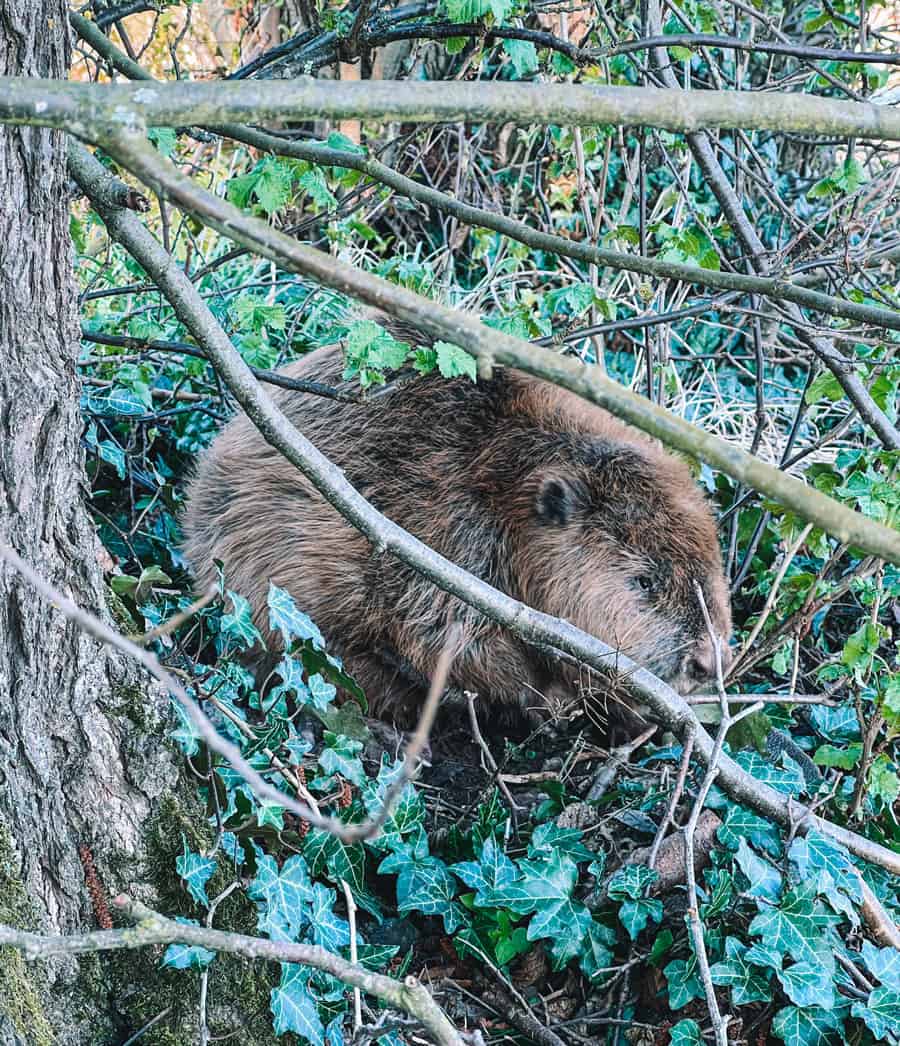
(748, 983)
(798, 926)
(285, 895)
(293, 1007)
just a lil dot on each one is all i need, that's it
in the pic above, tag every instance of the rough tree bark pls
(77, 763)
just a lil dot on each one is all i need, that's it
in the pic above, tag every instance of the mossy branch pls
(667, 706)
(151, 928)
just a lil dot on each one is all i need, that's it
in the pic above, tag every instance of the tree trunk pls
(73, 773)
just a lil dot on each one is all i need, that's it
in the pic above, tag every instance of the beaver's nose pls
(701, 663)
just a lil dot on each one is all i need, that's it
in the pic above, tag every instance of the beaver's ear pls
(559, 499)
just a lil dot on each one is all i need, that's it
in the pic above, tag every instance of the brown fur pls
(544, 496)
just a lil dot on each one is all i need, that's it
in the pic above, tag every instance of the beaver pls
(543, 495)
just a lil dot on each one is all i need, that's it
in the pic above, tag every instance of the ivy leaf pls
(808, 984)
(747, 982)
(883, 964)
(686, 1033)
(684, 984)
(492, 872)
(196, 871)
(523, 55)
(329, 930)
(326, 854)
(545, 889)
(321, 692)
(187, 956)
(797, 926)
(815, 853)
(108, 451)
(742, 824)
(843, 758)
(238, 625)
(596, 950)
(111, 403)
(787, 779)
(341, 756)
(549, 836)
(185, 735)
(630, 881)
(798, 1027)
(881, 1012)
(285, 894)
(271, 813)
(764, 878)
(284, 617)
(824, 386)
(293, 1007)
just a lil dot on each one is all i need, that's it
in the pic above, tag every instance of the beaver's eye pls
(645, 583)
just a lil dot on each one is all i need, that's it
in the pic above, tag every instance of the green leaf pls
(596, 950)
(881, 1012)
(108, 451)
(313, 182)
(634, 915)
(185, 735)
(238, 625)
(293, 1007)
(196, 871)
(111, 403)
(808, 984)
(523, 55)
(686, 1033)
(549, 836)
(454, 362)
(341, 756)
(630, 881)
(187, 956)
(255, 314)
(544, 889)
(492, 872)
(815, 854)
(164, 139)
(798, 927)
(764, 878)
(271, 813)
(883, 964)
(287, 619)
(683, 981)
(369, 350)
(824, 386)
(741, 823)
(285, 895)
(843, 758)
(798, 1027)
(748, 983)
(268, 184)
(883, 781)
